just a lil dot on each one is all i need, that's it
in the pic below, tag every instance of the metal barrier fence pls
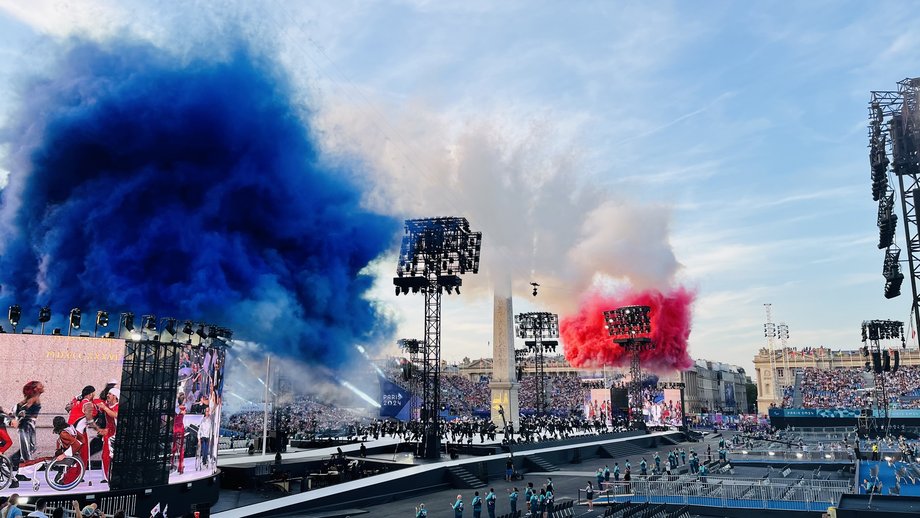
(778, 454)
(802, 495)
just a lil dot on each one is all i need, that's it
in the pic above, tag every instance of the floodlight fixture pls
(44, 314)
(535, 286)
(126, 319)
(872, 333)
(169, 325)
(631, 329)
(629, 324)
(75, 317)
(201, 332)
(410, 345)
(149, 322)
(538, 325)
(15, 314)
(102, 320)
(782, 331)
(433, 255)
(769, 330)
(187, 328)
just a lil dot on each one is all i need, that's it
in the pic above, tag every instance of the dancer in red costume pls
(178, 446)
(83, 416)
(110, 408)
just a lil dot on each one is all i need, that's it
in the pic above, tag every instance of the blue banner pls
(394, 400)
(839, 412)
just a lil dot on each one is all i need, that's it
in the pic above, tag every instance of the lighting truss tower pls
(538, 326)
(520, 361)
(782, 332)
(434, 253)
(873, 332)
(769, 331)
(413, 346)
(631, 328)
(894, 142)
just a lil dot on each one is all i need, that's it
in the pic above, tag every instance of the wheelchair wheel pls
(6, 472)
(65, 474)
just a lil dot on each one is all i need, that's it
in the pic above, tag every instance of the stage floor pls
(233, 504)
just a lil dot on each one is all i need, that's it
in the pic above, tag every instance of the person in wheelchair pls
(68, 445)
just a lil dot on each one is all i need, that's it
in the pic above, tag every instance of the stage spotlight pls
(102, 320)
(171, 326)
(200, 332)
(14, 315)
(187, 328)
(212, 331)
(535, 286)
(149, 322)
(128, 319)
(44, 314)
(75, 317)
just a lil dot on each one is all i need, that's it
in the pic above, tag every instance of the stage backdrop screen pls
(197, 415)
(662, 407)
(45, 376)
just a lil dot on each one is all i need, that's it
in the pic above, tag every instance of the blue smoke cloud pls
(194, 189)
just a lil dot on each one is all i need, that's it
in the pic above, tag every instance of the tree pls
(751, 391)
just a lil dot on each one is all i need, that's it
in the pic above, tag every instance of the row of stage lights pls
(126, 321)
(629, 322)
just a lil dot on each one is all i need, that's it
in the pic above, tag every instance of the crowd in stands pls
(848, 388)
(836, 388)
(903, 387)
(564, 392)
(788, 394)
(466, 399)
(302, 415)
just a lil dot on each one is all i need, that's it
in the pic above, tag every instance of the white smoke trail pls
(526, 189)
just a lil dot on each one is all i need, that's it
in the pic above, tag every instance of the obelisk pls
(504, 384)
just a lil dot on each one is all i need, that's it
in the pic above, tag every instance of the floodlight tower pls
(894, 148)
(769, 331)
(873, 332)
(631, 328)
(539, 326)
(434, 253)
(782, 332)
(413, 346)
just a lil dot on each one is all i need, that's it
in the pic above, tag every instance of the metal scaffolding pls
(894, 138)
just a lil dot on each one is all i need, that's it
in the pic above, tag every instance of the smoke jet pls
(587, 343)
(146, 181)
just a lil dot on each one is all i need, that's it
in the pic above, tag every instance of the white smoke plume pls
(524, 186)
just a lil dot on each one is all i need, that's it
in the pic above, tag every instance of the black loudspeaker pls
(877, 361)
(897, 361)
(619, 399)
(886, 361)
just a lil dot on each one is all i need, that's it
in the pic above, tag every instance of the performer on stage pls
(178, 446)
(110, 409)
(26, 412)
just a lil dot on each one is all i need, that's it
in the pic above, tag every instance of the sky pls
(718, 146)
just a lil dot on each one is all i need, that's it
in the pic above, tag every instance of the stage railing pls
(827, 456)
(750, 493)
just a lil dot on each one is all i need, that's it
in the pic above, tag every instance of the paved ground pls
(567, 482)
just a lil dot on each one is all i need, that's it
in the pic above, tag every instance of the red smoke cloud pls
(587, 343)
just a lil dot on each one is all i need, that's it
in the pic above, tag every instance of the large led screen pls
(59, 400)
